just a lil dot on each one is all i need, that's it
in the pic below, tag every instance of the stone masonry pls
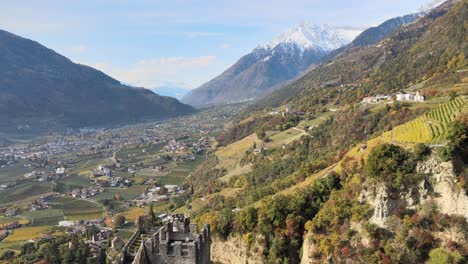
(176, 242)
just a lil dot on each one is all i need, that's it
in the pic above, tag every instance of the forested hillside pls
(312, 175)
(41, 89)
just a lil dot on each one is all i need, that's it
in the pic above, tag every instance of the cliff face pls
(437, 196)
(442, 187)
(234, 250)
(438, 185)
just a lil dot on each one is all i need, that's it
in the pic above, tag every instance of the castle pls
(178, 242)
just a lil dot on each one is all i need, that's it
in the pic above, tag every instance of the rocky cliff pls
(439, 185)
(238, 251)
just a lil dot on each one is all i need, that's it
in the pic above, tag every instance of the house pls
(76, 193)
(410, 97)
(13, 225)
(171, 188)
(11, 212)
(60, 171)
(419, 97)
(3, 233)
(67, 223)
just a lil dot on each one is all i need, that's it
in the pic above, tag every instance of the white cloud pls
(156, 72)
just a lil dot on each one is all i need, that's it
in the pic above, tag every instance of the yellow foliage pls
(230, 155)
(27, 233)
(133, 213)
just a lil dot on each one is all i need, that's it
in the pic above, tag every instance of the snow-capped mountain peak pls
(308, 36)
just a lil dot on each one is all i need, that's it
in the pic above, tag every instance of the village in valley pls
(103, 185)
(97, 182)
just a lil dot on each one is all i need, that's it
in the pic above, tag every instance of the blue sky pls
(178, 42)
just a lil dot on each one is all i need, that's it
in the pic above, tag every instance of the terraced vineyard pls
(440, 117)
(431, 127)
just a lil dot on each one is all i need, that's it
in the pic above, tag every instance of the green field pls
(24, 191)
(230, 155)
(48, 217)
(13, 172)
(285, 137)
(127, 193)
(69, 183)
(139, 152)
(181, 170)
(174, 173)
(85, 167)
(77, 209)
(315, 122)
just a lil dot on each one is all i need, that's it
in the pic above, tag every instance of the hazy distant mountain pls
(39, 87)
(172, 91)
(269, 64)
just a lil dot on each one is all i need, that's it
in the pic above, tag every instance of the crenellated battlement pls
(178, 241)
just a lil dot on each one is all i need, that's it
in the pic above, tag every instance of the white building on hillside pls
(410, 97)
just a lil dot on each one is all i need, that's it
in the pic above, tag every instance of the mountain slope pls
(374, 35)
(276, 61)
(40, 86)
(358, 187)
(414, 53)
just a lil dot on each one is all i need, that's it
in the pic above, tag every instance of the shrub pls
(446, 153)
(441, 256)
(224, 227)
(7, 254)
(421, 151)
(119, 221)
(390, 164)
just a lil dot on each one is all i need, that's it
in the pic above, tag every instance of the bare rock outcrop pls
(234, 250)
(439, 185)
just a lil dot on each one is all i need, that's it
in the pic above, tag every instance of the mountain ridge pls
(39, 84)
(281, 59)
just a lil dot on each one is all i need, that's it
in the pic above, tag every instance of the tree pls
(118, 197)
(247, 219)
(28, 248)
(457, 134)
(224, 226)
(7, 254)
(67, 254)
(163, 191)
(119, 221)
(91, 231)
(50, 252)
(446, 153)
(152, 215)
(82, 252)
(391, 165)
(441, 256)
(421, 151)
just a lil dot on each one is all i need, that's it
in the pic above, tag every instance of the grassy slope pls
(230, 155)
